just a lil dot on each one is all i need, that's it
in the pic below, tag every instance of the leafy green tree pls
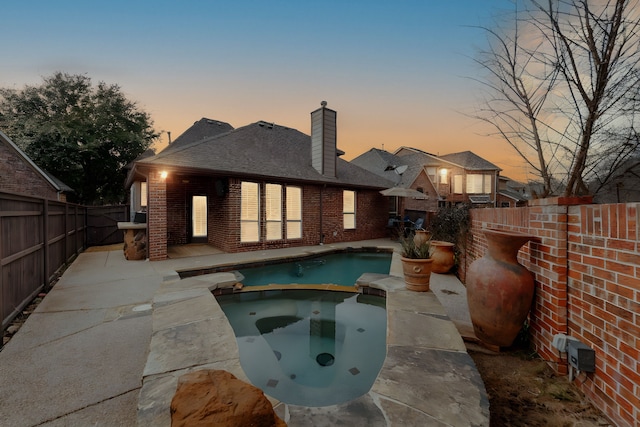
(84, 135)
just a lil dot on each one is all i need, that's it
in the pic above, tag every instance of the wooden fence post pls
(45, 243)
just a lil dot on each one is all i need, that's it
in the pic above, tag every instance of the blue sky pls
(395, 71)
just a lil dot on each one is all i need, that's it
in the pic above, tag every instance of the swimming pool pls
(309, 347)
(342, 268)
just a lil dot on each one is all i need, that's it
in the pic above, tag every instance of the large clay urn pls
(499, 289)
(442, 255)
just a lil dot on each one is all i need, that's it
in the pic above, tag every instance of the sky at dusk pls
(397, 72)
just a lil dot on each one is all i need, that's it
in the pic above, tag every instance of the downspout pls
(496, 187)
(321, 232)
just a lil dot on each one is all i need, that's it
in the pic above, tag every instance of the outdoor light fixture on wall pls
(164, 174)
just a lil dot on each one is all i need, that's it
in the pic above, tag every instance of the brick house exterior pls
(443, 179)
(267, 157)
(20, 175)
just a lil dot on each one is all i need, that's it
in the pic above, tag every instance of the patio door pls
(198, 232)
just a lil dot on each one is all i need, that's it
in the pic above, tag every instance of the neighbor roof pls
(54, 182)
(261, 150)
(469, 161)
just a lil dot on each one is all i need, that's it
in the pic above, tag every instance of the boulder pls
(135, 244)
(217, 398)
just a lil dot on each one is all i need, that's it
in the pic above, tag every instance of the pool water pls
(309, 347)
(338, 269)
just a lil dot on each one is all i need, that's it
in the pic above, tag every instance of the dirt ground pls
(524, 391)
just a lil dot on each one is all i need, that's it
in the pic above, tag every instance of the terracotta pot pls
(442, 255)
(499, 289)
(421, 237)
(417, 273)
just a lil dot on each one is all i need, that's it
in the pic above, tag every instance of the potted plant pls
(449, 230)
(416, 264)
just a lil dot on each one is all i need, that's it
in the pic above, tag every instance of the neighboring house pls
(19, 174)
(446, 180)
(511, 193)
(260, 186)
(623, 187)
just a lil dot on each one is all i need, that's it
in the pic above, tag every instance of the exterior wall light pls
(164, 174)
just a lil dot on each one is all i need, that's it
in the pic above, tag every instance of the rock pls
(135, 244)
(217, 398)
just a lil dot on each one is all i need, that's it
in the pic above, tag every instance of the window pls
(431, 172)
(273, 208)
(478, 183)
(349, 209)
(443, 176)
(199, 216)
(143, 194)
(294, 213)
(249, 212)
(457, 184)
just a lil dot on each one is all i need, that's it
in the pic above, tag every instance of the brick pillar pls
(549, 221)
(157, 216)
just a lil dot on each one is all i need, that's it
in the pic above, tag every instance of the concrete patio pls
(95, 352)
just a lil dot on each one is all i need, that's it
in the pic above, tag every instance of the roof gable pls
(53, 182)
(469, 161)
(202, 129)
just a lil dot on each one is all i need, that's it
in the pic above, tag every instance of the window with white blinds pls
(349, 209)
(199, 216)
(457, 184)
(249, 212)
(294, 212)
(478, 184)
(273, 211)
(143, 194)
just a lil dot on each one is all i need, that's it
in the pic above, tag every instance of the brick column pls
(157, 216)
(549, 221)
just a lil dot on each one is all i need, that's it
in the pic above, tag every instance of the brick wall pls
(586, 261)
(604, 303)
(321, 221)
(17, 176)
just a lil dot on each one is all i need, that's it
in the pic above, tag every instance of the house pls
(446, 180)
(19, 174)
(511, 193)
(260, 186)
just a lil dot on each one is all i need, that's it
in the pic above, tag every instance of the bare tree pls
(563, 87)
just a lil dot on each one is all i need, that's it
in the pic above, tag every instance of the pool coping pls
(427, 377)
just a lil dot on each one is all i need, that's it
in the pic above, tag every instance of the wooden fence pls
(102, 224)
(38, 237)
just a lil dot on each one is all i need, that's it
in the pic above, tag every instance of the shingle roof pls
(262, 150)
(469, 161)
(512, 195)
(203, 128)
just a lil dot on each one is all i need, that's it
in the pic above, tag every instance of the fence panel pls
(37, 237)
(102, 224)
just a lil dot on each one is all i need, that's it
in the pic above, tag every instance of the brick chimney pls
(323, 140)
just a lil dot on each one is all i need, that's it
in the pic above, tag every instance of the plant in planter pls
(416, 264)
(449, 229)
